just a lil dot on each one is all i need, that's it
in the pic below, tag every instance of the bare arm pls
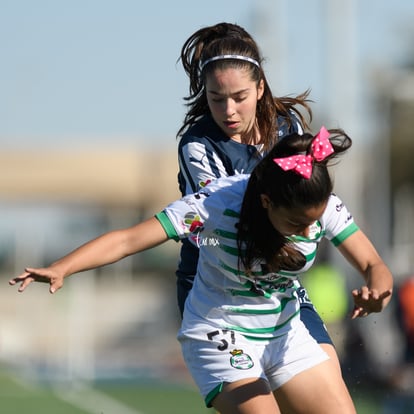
(108, 248)
(376, 294)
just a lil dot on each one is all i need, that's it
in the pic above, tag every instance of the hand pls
(43, 275)
(367, 301)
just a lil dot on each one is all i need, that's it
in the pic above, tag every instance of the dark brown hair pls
(231, 39)
(257, 238)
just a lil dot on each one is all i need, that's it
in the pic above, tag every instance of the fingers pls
(359, 312)
(24, 282)
(368, 301)
(55, 285)
(24, 279)
(37, 275)
(385, 294)
(364, 293)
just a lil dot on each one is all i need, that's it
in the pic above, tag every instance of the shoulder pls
(223, 195)
(225, 192)
(232, 185)
(289, 125)
(337, 220)
(204, 209)
(334, 207)
(204, 130)
(335, 204)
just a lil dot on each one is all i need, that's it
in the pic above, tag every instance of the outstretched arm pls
(375, 295)
(108, 248)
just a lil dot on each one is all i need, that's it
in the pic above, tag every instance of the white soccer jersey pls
(223, 295)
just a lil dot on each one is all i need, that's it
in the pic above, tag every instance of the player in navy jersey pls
(241, 336)
(233, 120)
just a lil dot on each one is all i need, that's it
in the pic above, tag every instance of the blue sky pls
(97, 67)
(79, 71)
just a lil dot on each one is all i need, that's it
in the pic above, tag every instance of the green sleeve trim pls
(344, 234)
(167, 225)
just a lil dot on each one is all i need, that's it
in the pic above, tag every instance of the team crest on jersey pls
(240, 360)
(314, 230)
(202, 184)
(192, 222)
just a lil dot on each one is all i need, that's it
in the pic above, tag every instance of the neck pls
(251, 138)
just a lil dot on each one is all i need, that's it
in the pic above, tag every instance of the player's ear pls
(265, 199)
(260, 89)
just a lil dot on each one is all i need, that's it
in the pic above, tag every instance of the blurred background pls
(90, 103)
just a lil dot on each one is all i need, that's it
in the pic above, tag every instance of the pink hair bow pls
(302, 164)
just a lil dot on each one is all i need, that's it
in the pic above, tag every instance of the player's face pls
(232, 98)
(292, 221)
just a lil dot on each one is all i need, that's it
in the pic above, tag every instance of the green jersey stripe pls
(351, 229)
(261, 331)
(272, 311)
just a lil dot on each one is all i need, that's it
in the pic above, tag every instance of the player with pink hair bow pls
(302, 164)
(242, 337)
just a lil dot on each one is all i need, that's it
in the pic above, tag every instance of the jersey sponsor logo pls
(339, 207)
(262, 287)
(207, 241)
(348, 218)
(302, 295)
(240, 360)
(194, 160)
(202, 184)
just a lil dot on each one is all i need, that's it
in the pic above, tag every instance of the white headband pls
(237, 57)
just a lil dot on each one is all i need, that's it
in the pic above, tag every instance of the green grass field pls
(17, 397)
